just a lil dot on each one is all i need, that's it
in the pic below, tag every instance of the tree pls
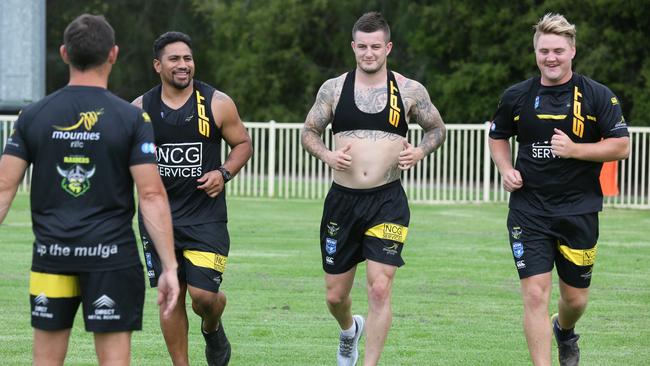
(271, 56)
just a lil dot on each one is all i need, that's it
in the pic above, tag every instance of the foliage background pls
(271, 56)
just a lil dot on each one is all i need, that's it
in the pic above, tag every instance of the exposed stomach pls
(374, 159)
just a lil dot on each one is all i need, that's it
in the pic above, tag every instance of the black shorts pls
(537, 242)
(361, 224)
(201, 252)
(112, 300)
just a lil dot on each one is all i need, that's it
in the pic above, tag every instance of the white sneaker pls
(348, 353)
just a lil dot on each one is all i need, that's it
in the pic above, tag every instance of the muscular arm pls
(156, 215)
(318, 118)
(235, 134)
(427, 116)
(12, 169)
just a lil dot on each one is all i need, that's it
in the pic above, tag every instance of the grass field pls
(456, 302)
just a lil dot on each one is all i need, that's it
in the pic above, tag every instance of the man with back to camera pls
(190, 119)
(366, 213)
(567, 125)
(87, 148)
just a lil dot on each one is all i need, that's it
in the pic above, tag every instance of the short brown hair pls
(88, 39)
(371, 22)
(557, 24)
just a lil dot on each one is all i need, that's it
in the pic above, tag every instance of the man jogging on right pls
(567, 125)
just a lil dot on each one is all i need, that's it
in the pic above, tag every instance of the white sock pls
(350, 332)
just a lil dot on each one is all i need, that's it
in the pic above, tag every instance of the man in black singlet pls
(366, 213)
(566, 125)
(190, 121)
(87, 148)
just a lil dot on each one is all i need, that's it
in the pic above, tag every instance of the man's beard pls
(370, 69)
(180, 85)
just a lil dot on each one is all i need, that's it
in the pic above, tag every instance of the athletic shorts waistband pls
(340, 188)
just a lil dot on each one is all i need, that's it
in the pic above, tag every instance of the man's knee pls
(576, 302)
(204, 302)
(379, 291)
(336, 298)
(536, 294)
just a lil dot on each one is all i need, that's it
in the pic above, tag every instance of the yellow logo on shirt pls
(86, 119)
(204, 122)
(578, 119)
(393, 116)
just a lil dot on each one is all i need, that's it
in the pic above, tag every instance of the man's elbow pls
(624, 149)
(248, 144)
(152, 195)
(304, 137)
(443, 134)
(626, 152)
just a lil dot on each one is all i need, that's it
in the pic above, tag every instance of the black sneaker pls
(568, 350)
(217, 347)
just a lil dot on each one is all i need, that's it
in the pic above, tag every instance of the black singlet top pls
(188, 145)
(583, 109)
(348, 117)
(82, 141)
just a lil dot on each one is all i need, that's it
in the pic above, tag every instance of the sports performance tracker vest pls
(188, 145)
(348, 117)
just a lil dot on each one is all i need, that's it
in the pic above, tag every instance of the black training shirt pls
(81, 141)
(583, 109)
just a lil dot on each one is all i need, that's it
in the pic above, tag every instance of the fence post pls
(271, 167)
(487, 162)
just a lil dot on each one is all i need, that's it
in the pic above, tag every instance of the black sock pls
(563, 334)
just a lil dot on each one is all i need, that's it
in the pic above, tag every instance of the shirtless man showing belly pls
(366, 213)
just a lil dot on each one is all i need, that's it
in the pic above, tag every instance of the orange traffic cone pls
(609, 179)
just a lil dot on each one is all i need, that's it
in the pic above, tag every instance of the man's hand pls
(339, 159)
(168, 291)
(212, 183)
(409, 156)
(562, 145)
(512, 180)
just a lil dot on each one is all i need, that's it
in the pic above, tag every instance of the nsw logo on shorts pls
(518, 249)
(330, 246)
(147, 257)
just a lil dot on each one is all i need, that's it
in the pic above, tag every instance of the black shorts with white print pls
(568, 242)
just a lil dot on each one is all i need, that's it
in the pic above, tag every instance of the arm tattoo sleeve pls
(428, 117)
(317, 119)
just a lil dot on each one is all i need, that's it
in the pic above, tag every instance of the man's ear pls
(156, 65)
(112, 54)
(64, 54)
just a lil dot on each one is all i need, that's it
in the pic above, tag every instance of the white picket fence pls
(461, 171)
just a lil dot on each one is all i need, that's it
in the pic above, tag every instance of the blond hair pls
(553, 23)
